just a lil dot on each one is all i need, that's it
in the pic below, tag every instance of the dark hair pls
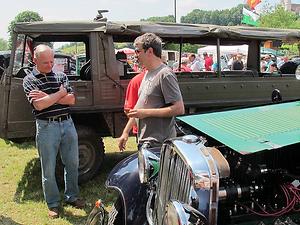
(150, 40)
(193, 55)
(274, 64)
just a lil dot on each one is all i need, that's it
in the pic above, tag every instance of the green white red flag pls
(250, 18)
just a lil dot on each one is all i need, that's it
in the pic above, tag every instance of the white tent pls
(224, 50)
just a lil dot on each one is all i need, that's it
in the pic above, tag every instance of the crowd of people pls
(206, 62)
(191, 62)
(271, 64)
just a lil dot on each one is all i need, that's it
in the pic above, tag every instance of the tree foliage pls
(25, 16)
(74, 48)
(169, 18)
(279, 18)
(231, 16)
(3, 45)
(185, 47)
(224, 17)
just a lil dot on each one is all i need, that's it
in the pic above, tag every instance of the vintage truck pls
(100, 87)
(236, 166)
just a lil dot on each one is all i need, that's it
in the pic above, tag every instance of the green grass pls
(21, 196)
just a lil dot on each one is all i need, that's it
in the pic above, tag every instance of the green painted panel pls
(252, 129)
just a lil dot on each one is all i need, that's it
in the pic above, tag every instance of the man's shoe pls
(79, 203)
(53, 213)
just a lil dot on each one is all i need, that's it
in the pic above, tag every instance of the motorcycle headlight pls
(182, 214)
(148, 165)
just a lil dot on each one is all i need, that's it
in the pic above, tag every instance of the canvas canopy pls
(164, 30)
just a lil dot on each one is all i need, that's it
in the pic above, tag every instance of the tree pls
(224, 17)
(3, 44)
(185, 47)
(279, 18)
(73, 48)
(169, 18)
(25, 16)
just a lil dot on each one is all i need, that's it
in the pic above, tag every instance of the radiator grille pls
(174, 181)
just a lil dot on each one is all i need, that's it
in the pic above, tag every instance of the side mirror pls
(297, 73)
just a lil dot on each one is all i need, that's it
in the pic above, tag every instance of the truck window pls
(69, 57)
(23, 53)
(125, 59)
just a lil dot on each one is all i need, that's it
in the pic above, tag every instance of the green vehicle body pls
(98, 111)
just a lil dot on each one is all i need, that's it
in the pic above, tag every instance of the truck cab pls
(100, 86)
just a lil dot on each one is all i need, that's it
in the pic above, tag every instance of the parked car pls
(236, 166)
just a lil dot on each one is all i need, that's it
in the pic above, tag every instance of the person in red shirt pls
(131, 96)
(208, 61)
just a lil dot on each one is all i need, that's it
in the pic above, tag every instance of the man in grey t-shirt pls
(159, 100)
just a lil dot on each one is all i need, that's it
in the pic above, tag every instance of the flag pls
(253, 3)
(250, 17)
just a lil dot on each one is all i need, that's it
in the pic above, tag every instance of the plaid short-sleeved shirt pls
(48, 83)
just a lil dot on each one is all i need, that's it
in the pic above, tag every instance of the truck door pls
(4, 91)
(20, 121)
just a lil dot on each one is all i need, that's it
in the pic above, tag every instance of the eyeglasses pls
(137, 51)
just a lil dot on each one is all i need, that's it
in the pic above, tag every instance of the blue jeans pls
(51, 137)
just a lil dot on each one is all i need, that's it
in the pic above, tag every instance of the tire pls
(91, 153)
(116, 215)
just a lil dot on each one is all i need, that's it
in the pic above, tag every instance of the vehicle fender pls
(124, 178)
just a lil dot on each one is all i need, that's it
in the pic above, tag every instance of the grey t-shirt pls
(158, 89)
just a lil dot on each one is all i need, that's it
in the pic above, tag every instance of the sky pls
(119, 10)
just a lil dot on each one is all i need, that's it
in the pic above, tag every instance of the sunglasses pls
(137, 51)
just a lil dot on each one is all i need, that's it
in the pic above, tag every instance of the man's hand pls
(63, 90)
(137, 113)
(122, 141)
(37, 94)
(175, 109)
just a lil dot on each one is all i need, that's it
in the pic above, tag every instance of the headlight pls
(148, 165)
(183, 214)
